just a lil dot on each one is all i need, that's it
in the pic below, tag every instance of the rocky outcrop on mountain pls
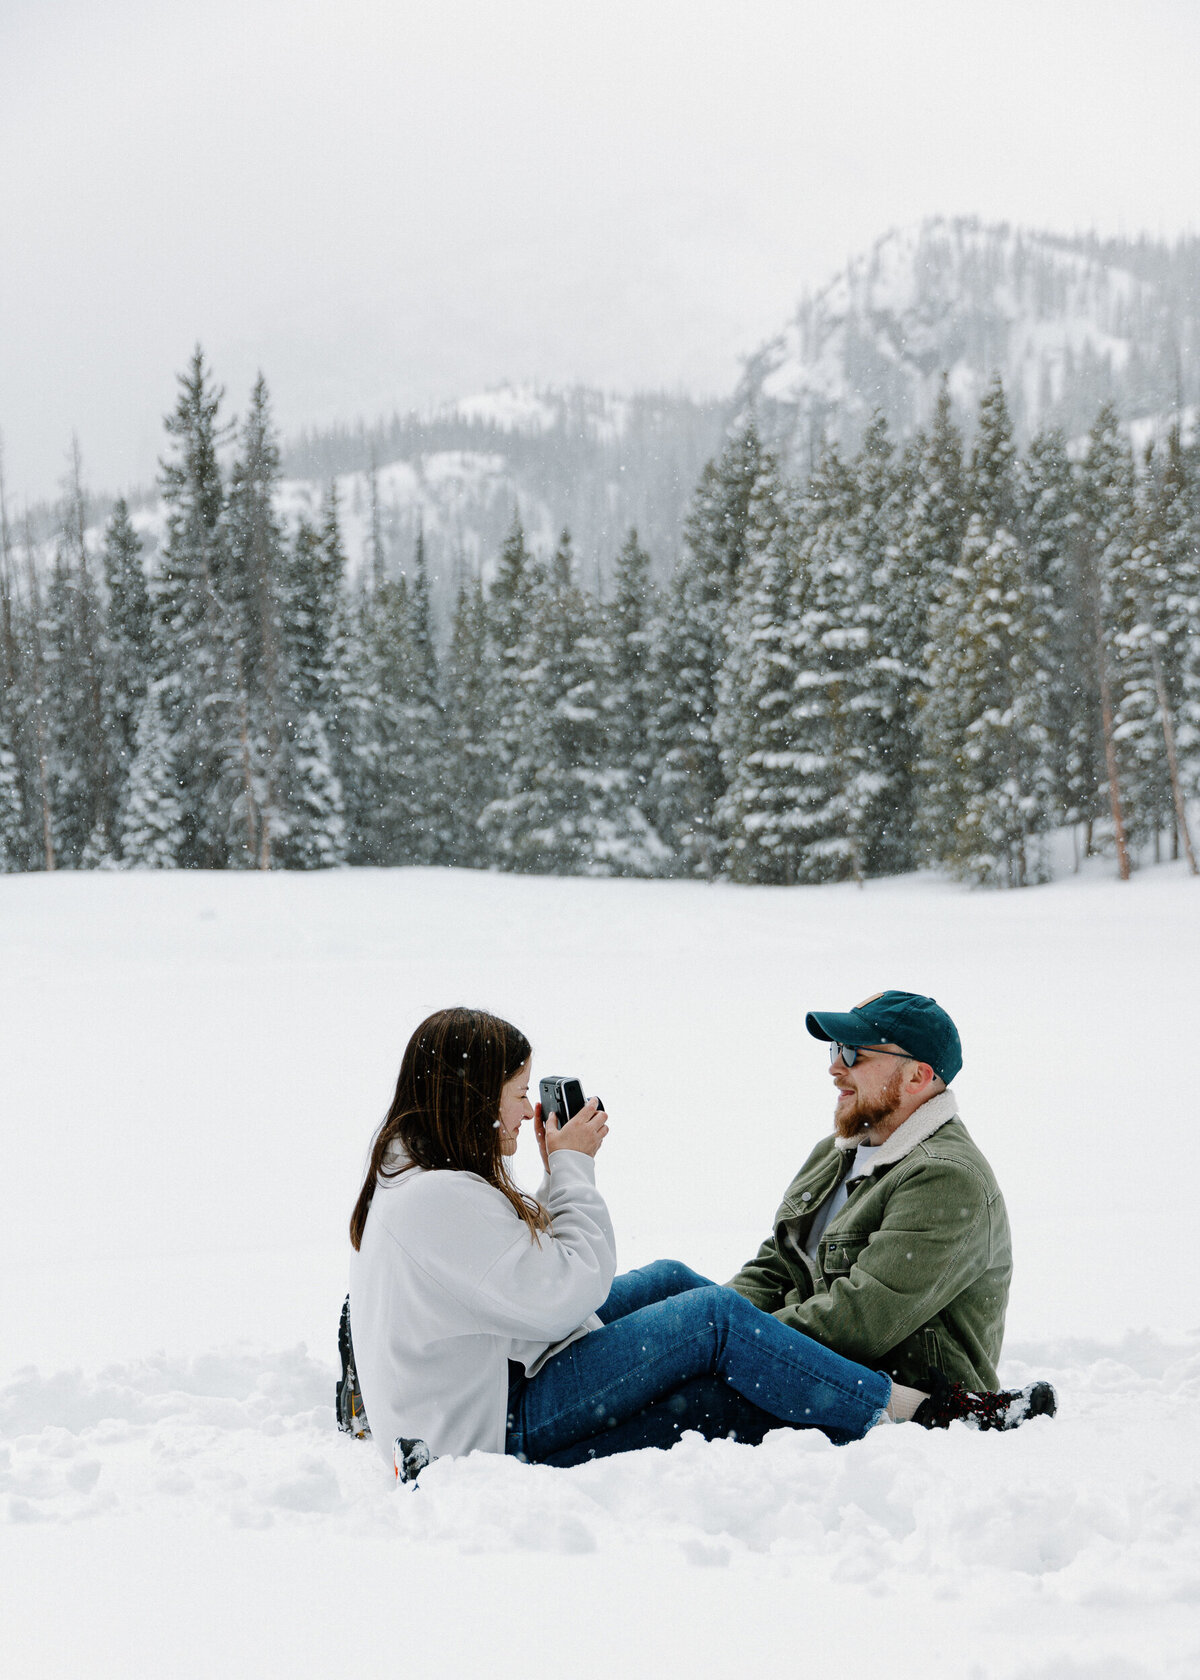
(1066, 322)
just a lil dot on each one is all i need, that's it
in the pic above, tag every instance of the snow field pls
(193, 1068)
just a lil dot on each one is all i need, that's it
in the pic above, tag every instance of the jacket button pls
(806, 1195)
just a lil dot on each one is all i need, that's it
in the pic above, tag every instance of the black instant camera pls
(562, 1098)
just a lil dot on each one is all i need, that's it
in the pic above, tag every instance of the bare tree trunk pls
(1168, 729)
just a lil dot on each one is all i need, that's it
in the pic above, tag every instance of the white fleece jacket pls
(448, 1286)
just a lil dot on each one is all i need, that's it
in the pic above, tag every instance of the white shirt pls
(833, 1205)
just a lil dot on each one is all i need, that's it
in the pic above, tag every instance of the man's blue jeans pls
(679, 1352)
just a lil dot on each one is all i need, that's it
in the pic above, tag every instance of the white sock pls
(903, 1403)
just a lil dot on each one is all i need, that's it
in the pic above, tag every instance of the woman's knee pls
(675, 1278)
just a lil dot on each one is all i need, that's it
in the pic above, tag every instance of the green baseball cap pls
(917, 1024)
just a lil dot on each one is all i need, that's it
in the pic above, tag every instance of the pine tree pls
(935, 516)
(635, 632)
(313, 834)
(15, 777)
(152, 830)
(1182, 551)
(472, 681)
(827, 653)
(66, 736)
(198, 665)
(355, 740)
(511, 601)
(760, 812)
(887, 599)
(1106, 538)
(400, 751)
(334, 662)
(985, 729)
(315, 837)
(565, 807)
(427, 716)
(12, 814)
(1138, 589)
(78, 748)
(933, 526)
(689, 779)
(1050, 521)
(516, 824)
(127, 639)
(1167, 564)
(39, 733)
(252, 605)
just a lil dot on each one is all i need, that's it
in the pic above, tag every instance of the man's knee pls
(726, 1308)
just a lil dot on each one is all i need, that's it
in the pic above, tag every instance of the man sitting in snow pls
(891, 1245)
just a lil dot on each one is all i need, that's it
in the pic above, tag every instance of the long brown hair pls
(446, 1110)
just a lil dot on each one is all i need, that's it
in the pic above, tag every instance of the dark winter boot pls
(348, 1402)
(410, 1455)
(1002, 1408)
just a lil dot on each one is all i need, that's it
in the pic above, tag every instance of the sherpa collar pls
(929, 1118)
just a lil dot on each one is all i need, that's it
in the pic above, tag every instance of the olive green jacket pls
(912, 1274)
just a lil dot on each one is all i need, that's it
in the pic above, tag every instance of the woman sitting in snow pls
(486, 1318)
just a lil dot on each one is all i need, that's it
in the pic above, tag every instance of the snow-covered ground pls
(193, 1065)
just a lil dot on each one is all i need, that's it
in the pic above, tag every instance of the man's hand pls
(584, 1132)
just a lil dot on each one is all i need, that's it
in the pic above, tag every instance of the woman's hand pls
(585, 1132)
(539, 1132)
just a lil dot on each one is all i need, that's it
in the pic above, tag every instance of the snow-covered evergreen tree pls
(400, 772)
(127, 640)
(64, 722)
(310, 786)
(1167, 563)
(689, 779)
(12, 814)
(1175, 520)
(315, 837)
(829, 653)
(1108, 519)
(1050, 522)
(565, 807)
(515, 592)
(985, 733)
(884, 595)
(935, 515)
(932, 528)
(1138, 589)
(760, 814)
(252, 604)
(202, 681)
(634, 632)
(152, 829)
(472, 683)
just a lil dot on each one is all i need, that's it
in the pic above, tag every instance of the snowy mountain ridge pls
(533, 410)
(1068, 323)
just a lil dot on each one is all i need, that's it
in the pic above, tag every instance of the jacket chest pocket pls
(838, 1254)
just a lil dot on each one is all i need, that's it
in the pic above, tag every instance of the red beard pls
(852, 1122)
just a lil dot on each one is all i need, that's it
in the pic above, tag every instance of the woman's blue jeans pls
(679, 1352)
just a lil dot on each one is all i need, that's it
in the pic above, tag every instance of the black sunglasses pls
(849, 1053)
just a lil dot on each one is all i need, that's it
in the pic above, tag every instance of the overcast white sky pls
(389, 203)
